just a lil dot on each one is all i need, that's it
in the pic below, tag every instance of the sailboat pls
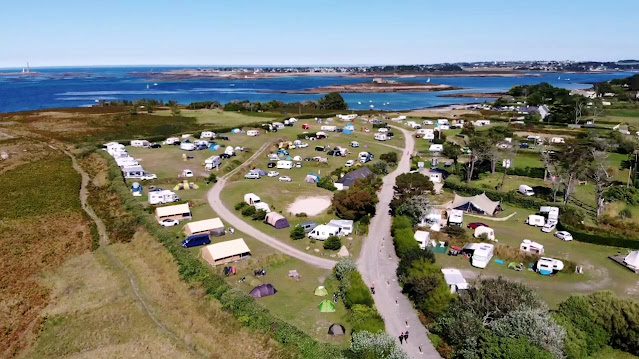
(147, 86)
(427, 81)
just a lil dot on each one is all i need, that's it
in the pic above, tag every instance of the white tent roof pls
(172, 210)
(453, 276)
(480, 201)
(204, 225)
(632, 259)
(226, 249)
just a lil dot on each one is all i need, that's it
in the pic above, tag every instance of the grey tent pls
(263, 290)
(480, 204)
(276, 220)
(336, 329)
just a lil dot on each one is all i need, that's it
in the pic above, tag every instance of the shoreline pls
(372, 88)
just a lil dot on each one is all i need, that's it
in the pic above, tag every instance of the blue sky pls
(130, 32)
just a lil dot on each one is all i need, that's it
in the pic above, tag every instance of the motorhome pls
(140, 143)
(548, 266)
(133, 172)
(187, 146)
(328, 128)
(251, 199)
(528, 246)
(322, 232)
(345, 226)
(207, 135)
(253, 133)
(380, 136)
(212, 162)
(482, 255)
(229, 151)
(535, 220)
(526, 190)
(163, 197)
(284, 165)
(455, 217)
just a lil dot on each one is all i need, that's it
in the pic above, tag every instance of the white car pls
(564, 236)
(354, 144)
(252, 175)
(298, 165)
(273, 174)
(349, 163)
(149, 176)
(285, 179)
(302, 145)
(169, 222)
(548, 227)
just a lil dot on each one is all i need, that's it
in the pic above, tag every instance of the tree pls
(259, 215)
(598, 173)
(355, 203)
(333, 243)
(479, 147)
(414, 207)
(367, 345)
(332, 101)
(412, 184)
(425, 285)
(390, 157)
(297, 233)
(573, 162)
(326, 182)
(175, 110)
(452, 151)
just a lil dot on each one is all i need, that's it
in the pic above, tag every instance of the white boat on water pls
(427, 81)
(359, 102)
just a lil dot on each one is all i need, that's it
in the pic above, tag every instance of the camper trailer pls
(328, 128)
(526, 190)
(162, 197)
(253, 133)
(140, 143)
(422, 237)
(345, 226)
(207, 135)
(484, 231)
(535, 220)
(365, 157)
(251, 199)
(528, 246)
(455, 217)
(133, 172)
(557, 140)
(127, 161)
(187, 146)
(322, 232)
(548, 266)
(482, 255)
(172, 141)
(229, 151)
(381, 136)
(284, 165)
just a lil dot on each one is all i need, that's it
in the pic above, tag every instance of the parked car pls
(225, 138)
(349, 163)
(298, 164)
(155, 145)
(285, 179)
(548, 227)
(354, 144)
(196, 240)
(149, 176)
(169, 222)
(271, 165)
(273, 174)
(474, 225)
(252, 175)
(564, 236)
(302, 145)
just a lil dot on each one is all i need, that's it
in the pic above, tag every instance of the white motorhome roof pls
(226, 249)
(453, 276)
(341, 222)
(172, 210)
(203, 225)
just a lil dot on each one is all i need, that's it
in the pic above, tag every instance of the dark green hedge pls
(241, 305)
(603, 239)
(512, 197)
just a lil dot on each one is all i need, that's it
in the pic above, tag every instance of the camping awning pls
(479, 203)
(227, 249)
(172, 210)
(203, 226)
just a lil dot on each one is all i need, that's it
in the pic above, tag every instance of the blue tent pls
(347, 132)
(214, 147)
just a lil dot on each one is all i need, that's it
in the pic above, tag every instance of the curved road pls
(230, 217)
(378, 264)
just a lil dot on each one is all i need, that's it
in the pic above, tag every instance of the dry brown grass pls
(94, 313)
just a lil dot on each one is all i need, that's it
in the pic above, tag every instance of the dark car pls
(477, 224)
(524, 145)
(308, 226)
(196, 240)
(225, 156)
(320, 148)
(155, 145)
(270, 164)
(225, 138)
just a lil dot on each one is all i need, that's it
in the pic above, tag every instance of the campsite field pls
(218, 117)
(600, 273)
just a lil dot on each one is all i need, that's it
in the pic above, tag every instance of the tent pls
(480, 204)
(312, 178)
(336, 329)
(321, 291)
(632, 260)
(326, 306)
(263, 290)
(277, 220)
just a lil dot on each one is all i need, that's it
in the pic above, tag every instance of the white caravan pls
(162, 197)
(322, 232)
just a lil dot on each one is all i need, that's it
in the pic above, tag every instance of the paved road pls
(378, 263)
(232, 219)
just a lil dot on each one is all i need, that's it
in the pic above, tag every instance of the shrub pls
(259, 215)
(248, 211)
(212, 178)
(240, 205)
(390, 157)
(297, 232)
(375, 345)
(425, 285)
(625, 213)
(327, 183)
(456, 232)
(343, 267)
(629, 195)
(301, 215)
(333, 243)
(355, 291)
(363, 317)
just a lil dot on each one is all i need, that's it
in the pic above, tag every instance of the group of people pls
(403, 337)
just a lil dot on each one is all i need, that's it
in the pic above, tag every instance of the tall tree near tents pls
(332, 101)
(478, 146)
(598, 173)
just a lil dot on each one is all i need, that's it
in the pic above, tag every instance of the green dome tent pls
(326, 306)
(321, 291)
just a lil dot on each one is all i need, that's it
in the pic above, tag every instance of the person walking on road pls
(401, 338)
(406, 336)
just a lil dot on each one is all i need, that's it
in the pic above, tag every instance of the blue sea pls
(80, 87)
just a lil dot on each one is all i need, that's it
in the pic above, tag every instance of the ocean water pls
(78, 87)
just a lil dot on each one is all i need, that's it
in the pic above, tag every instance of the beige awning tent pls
(632, 260)
(225, 252)
(174, 211)
(478, 204)
(211, 225)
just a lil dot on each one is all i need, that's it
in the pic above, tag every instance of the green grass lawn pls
(224, 118)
